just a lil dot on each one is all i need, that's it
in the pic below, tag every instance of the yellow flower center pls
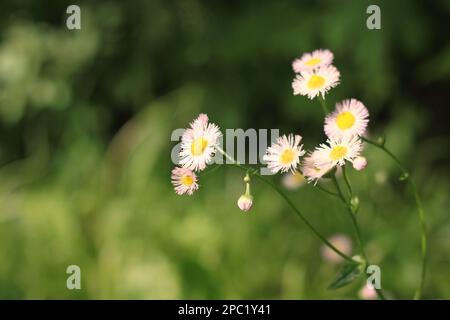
(338, 152)
(198, 146)
(312, 62)
(345, 120)
(187, 180)
(316, 81)
(287, 156)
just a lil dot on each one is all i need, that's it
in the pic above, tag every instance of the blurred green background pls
(85, 124)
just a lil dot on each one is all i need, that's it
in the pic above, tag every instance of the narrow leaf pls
(346, 275)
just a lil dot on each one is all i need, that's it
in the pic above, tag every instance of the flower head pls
(184, 181)
(338, 151)
(284, 154)
(199, 143)
(359, 163)
(316, 82)
(311, 170)
(350, 118)
(310, 61)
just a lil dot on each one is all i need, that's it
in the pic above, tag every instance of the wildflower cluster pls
(345, 130)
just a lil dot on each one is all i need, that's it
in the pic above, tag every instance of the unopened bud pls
(381, 140)
(359, 163)
(354, 204)
(245, 202)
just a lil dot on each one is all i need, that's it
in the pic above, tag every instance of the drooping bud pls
(245, 202)
(360, 163)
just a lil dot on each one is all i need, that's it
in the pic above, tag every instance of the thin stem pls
(357, 231)
(382, 147)
(290, 203)
(347, 181)
(324, 105)
(247, 189)
(339, 191)
(300, 215)
(421, 213)
(205, 173)
(352, 216)
(318, 186)
(227, 155)
(423, 226)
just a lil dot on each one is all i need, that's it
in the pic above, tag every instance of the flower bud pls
(368, 292)
(354, 204)
(245, 202)
(381, 140)
(359, 163)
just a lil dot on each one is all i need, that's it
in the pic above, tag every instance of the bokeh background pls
(85, 124)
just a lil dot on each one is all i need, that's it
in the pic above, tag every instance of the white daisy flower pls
(313, 60)
(199, 143)
(316, 82)
(338, 151)
(284, 154)
(184, 181)
(311, 171)
(350, 118)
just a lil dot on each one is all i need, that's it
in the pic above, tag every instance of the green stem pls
(357, 231)
(420, 210)
(347, 181)
(290, 203)
(338, 188)
(302, 217)
(324, 105)
(227, 155)
(207, 172)
(318, 186)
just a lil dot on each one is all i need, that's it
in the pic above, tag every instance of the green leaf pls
(346, 275)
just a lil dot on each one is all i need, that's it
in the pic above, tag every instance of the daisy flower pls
(310, 61)
(316, 82)
(184, 181)
(350, 118)
(284, 154)
(338, 151)
(199, 143)
(311, 171)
